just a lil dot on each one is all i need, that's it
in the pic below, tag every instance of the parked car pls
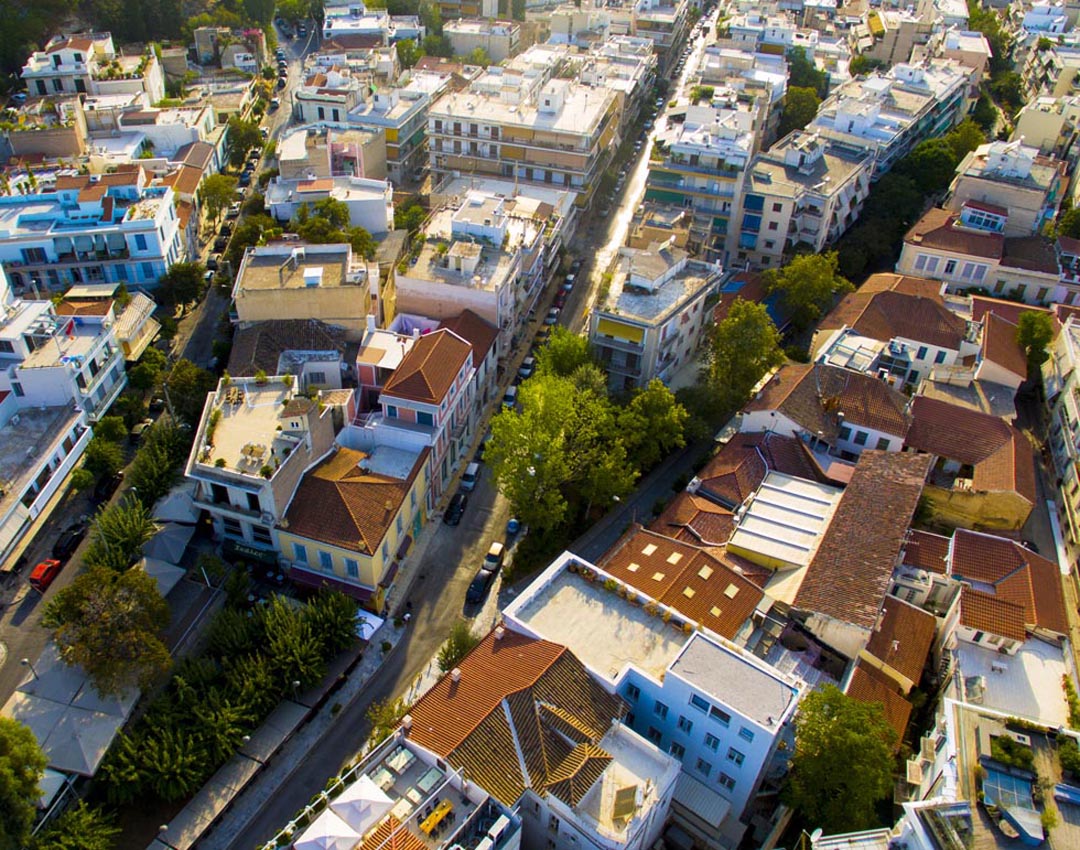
(510, 398)
(470, 477)
(527, 367)
(275, 104)
(212, 264)
(264, 132)
(552, 316)
(234, 210)
(575, 267)
(456, 508)
(45, 574)
(560, 299)
(478, 588)
(221, 243)
(19, 97)
(541, 338)
(107, 486)
(568, 283)
(70, 538)
(226, 229)
(243, 180)
(137, 432)
(280, 83)
(493, 560)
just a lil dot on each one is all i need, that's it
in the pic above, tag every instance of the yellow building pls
(353, 518)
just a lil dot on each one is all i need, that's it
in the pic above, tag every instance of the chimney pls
(416, 333)
(370, 324)
(500, 633)
(455, 674)
(406, 722)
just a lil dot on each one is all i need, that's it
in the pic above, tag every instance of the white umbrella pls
(178, 505)
(41, 715)
(362, 804)
(165, 574)
(327, 832)
(169, 544)
(80, 740)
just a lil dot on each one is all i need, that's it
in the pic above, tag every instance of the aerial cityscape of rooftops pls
(540, 425)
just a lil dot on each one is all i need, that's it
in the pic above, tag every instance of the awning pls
(329, 582)
(618, 330)
(238, 549)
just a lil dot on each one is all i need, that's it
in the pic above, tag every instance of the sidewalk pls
(254, 774)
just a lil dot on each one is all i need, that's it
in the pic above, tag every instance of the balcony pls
(622, 368)
(214, 507)
(618, 344)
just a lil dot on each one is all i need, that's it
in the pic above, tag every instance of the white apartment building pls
(370, 202)
(703, 166)
(1043, 19)
(654, 316)
(107, 228)
(888, 114)
(89, 64)
(805, 189)
(717, 709)
(1061, 379)
(524, 127)
(500, 40)
(626, 65)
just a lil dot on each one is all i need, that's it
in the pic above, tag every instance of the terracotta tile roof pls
(519, 695)
(1033, 253)
(91, 193)
(187, 179)
(905, 284)
(987, 613)
(84, 308)
(926, 551)
(1008, 571)
(184, 211)
(72, 42)
(870, 686)
(475, 330)
(851, 570)
(938, 230)
(811, 395)
(902, 637)
(339, 503)
(753, 289)
(260, 345)
(427, 372)
(999, 344)
(696, 520)
(1010, 310)
(695, 583)
(1010, 468)
(894, 314)
(391, 834)
(740, 466)
(439, 63)
(196, 154)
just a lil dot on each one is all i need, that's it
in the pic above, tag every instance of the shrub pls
(1011, 753)
(1069, 755)
(1073, 700)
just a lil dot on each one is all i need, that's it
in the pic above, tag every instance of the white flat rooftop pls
(1027, 684)
(602, 629)
(785, 519)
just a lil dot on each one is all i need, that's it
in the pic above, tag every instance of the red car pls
(44, 574)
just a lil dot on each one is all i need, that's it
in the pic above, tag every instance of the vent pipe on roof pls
(500, 633)
(455, 674)
(406, 722)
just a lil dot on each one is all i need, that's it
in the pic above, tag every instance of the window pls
(391, 411)
(721, 716)
(140, 242)
(633, 692)
(950, 266)
(253, 501)
(148, 271)
(704, 768)
(845, 432)
(352, 568)
(777, 207)
(755, 203)
(18, 390)
(751, 223)
(939, 358)
(726, 781)
(699, 703)
(232, 528)
(921, 353)
(317, 378)
(660, 710)
(735, 756)
(746, 734)
(773, 225)
(685, 725)
(299, 553)
(678, 750)
(399, 525)
(322, 114)
(882, 446)
(424, 418)
(653, 734)
(326, 561)
(712, 742)
(860, 438)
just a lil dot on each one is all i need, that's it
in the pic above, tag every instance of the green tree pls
(931, 164)
(409, 218)
(384, 718)
(409, 52)
(1034, 331)
(253, 230)
(216, 193)
(800, 108)
(82, 827)
(292, 647)
(21, 766)
(986, 21)
(119, 533)
(111, 428)
(437, 45)
(1008, 90)
(109, 624)
(82, 480)
(743, 347)
(459, 643)
(478, 57)
(653, 425)
(964, 138)
(804, 74)
(863, 64)
(103, 457)
(143, 377)
(333, 619)
(807, 286)
(156, 464)
(1068, 223)
(243, 136)
(565, 353)
(188, 386)
(985, 114)
(182, 283)
(259, 11)
(842, 765)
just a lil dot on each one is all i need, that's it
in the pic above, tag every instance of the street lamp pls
(296, 690)
(25, 662)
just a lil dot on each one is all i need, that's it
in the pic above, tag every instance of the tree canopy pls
(81, 827)
(804, 74)
(842, 765)
(1034, 331)
(409, 52)
(22, 764)
(243, 136)
(188, 386)
(109, 623)
(459, 643)
(564, 353)
(216, 193)
(743, 347)
(182, 284)
(800, 108)
(119, 534)
(807, 286)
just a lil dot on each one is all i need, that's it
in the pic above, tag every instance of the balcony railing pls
(618, 344)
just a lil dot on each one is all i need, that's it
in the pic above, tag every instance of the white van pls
(510, 399)
(470, 477)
